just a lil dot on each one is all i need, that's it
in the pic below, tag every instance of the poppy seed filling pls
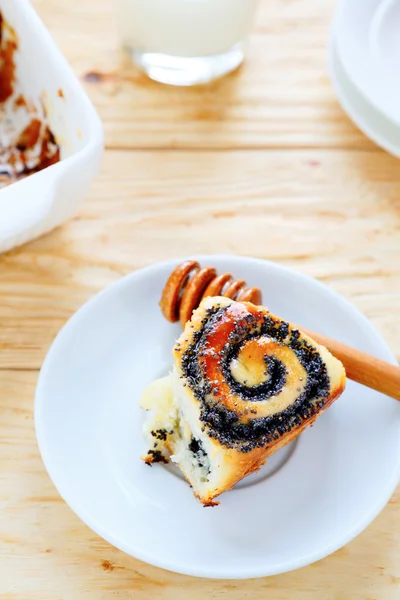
(197, 449)
(274, 368)
(226, 425)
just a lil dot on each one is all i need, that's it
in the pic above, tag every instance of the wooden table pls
(262, 163)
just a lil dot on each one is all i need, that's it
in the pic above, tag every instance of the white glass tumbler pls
(185, 42)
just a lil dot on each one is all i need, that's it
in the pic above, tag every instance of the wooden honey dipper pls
(188, 284)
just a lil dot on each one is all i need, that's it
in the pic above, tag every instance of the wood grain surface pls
(281, 98)
(263, 163)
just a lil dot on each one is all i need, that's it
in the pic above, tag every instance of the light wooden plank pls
(332, 215)
(316, 205)
(47, 553)
(281, 97)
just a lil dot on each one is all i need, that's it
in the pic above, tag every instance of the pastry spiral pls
(244, 384)
(254, 376)
(189, 283)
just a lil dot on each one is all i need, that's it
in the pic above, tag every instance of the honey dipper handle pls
(363, 368)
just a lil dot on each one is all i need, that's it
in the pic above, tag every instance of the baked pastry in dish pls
(244, 383)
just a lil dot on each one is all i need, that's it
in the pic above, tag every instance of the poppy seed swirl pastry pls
(244, 384)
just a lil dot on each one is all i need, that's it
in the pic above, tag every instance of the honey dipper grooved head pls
(188, 284)
(194, 292)
(169, 302)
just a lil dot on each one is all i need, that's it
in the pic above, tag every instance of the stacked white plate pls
(364, 63)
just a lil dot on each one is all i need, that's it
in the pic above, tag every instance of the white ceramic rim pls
(349, 108)
(383, 84)
(384, 494)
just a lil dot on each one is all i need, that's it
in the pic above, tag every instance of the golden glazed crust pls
(237, 465)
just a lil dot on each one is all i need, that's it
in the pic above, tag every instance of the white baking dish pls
(43, 200)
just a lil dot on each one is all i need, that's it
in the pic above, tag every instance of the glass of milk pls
(185, 42)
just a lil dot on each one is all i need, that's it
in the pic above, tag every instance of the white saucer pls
(368, 46)
(368, 119)
(88, 423)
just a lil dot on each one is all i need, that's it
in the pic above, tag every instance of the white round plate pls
(367, 118)
(384, 40)
(367, 35)
(88, 423)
